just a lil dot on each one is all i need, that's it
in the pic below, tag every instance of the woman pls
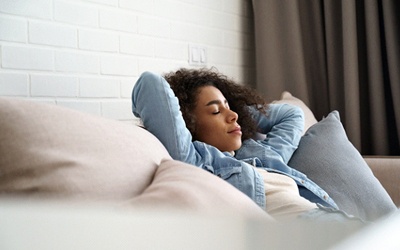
(207, 120)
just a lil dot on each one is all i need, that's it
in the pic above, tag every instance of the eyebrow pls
(215, 102)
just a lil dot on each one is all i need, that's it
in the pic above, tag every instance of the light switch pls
(197, 55)
(203, 55)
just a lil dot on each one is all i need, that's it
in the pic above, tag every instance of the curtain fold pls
(335, 55)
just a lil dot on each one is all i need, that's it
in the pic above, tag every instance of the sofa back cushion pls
(47, 150)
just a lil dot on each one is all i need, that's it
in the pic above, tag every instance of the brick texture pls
(87, 54)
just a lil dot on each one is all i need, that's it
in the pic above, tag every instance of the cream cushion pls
(58, 152)
(179, 185)
(47, 151)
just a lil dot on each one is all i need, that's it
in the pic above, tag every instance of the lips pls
(236, 130)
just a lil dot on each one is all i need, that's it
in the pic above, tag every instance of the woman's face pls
(215, 123)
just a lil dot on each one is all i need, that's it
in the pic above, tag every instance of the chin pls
(238, 146)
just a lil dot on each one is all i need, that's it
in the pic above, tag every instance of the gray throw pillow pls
(328, 158)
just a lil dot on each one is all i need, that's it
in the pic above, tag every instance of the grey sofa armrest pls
(387, 171)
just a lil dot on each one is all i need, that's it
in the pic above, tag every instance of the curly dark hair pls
(186, 83)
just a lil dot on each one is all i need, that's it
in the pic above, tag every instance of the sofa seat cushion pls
(47, 150)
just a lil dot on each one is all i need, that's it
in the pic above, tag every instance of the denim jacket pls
(155, 103)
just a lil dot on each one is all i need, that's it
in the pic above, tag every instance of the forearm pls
(155, 103)
(283, 127)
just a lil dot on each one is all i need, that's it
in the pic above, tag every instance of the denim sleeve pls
(283, 126)
(155, 103)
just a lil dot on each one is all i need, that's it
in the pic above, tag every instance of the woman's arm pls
(283, 127)
(155, 103)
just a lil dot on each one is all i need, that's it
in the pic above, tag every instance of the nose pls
(232, 116)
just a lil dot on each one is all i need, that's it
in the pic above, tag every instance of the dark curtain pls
(335, 55)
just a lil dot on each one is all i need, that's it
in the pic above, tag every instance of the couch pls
(71, 180)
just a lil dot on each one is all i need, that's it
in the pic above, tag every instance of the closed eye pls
(218, 104)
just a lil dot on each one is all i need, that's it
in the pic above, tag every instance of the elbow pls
(296, 115)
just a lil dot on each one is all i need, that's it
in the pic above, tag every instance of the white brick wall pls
(87, 54)
(27, 58)
(46, 33)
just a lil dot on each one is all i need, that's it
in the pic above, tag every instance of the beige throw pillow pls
(178, 185)
(47, 150)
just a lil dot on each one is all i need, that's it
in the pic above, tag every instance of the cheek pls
(202, 130)
(205, 130)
